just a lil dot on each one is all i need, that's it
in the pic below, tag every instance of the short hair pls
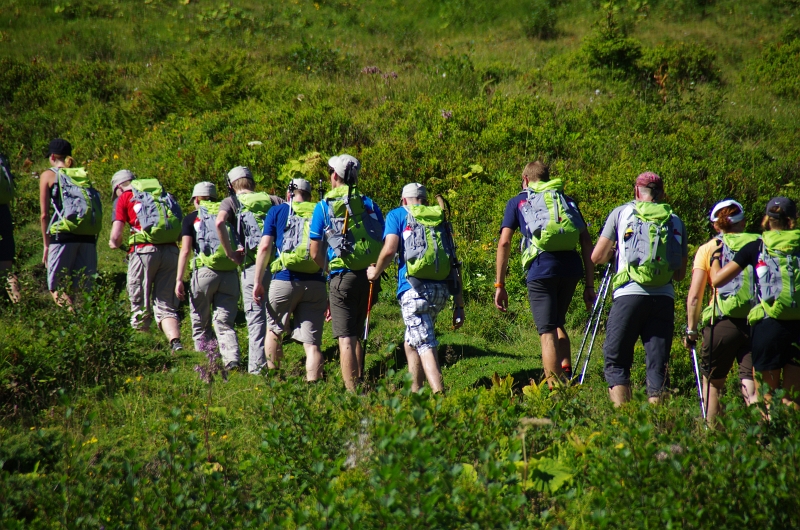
(243, 184)
(306, 195)
(206, 198)
(653, 193)
(536, 171)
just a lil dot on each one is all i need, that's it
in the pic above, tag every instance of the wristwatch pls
(691, 332)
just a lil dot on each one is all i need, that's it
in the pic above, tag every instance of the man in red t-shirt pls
(151, 267)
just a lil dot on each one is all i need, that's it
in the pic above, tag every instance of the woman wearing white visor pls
(726, 334)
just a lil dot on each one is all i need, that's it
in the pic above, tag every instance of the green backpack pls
(295, 254)
(7, 192)
(736, 298)
(778, 271)
(427, 249)
(652, 249)
(554, 222)
(76, 204)
(361, 244)
(211, 254)
(254, 208)
(159, 214)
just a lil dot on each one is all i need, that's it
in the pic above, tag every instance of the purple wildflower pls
(370, 70)
(446, 114)
(390, 75)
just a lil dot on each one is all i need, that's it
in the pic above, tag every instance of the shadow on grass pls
(521, 378)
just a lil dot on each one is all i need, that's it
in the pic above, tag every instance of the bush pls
(779, 66)
(609, 48)
(680, 64)
(540, 22)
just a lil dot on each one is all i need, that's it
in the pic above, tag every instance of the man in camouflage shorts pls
(420, 300)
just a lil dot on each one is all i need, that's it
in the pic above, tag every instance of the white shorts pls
(420, 309)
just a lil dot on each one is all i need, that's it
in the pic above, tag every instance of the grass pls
(176, 89)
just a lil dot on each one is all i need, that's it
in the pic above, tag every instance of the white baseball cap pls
(239, 172)
(301, 184)
(339, 165)
(121, 177)
(415, 190)
(204, 189)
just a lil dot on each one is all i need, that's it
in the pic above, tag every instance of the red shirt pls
(126, 212)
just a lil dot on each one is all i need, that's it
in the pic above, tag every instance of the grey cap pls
(204, 189)
(301, 184)
(121, 177)
(415, 190)
(339, 165)
(239, 172)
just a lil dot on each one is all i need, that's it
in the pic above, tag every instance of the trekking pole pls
(713, 322)
(605, 278)
(699, 382)
(369, 310)
(603, 295)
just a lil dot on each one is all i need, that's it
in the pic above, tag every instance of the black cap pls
(60, 147)
(787, 206)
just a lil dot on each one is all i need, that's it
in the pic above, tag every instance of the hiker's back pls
(78, 210)
(210, 252)
(158, 215)
(353, 229)
(778, 272)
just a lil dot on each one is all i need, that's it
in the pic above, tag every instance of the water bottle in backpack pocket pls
(778, 272)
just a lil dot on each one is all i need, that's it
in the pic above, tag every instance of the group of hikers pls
(277, 253)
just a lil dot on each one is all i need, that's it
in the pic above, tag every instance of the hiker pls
(352, 225)
(8, 250)
(214, 281)
(245, 216)
(775, 319)
(154, 217)
(726, 335)
(553, 267)
(426, 278)
(70, 235)
(651, 253)
(297, 298)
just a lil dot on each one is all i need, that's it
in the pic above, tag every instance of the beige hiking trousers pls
(219, 289)
(151, 284)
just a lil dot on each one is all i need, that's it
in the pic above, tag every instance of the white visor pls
(730, 202)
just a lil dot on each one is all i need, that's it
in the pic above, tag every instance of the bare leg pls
(713, 392)
(550, 358)
(749, 391)
(772, 378)
(360, 355)
(12, 286)
(61, 299)
(791, 383)
(348, 357)
(620, 394)
(273, 350)
(171, 328)
(430, 365)
(564, 353)
(314, 362)
(414, 367)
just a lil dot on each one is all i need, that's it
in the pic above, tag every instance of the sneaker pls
(176, 345)
(232, 366)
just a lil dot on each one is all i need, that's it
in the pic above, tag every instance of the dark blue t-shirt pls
(563, 264)
(274, 225)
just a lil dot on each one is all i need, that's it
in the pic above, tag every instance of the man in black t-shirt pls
(551, 276)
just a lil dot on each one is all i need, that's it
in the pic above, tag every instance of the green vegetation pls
(103, 427)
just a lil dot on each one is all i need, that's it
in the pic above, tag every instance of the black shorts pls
(349, 298)
(775, 344)
(649, 317)
(731, 343)
(7, 248)
(549, 299)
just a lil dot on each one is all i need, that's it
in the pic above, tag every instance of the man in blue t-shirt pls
(421, 302)
(297, 292)
(352, 242)
(551, 277)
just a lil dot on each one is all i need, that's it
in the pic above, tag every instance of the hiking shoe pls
(176, 345)
(232, 366)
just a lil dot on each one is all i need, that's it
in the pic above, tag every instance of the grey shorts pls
(349, 295)
(71, 259)
(299, 306)
(151, 284)
(420, 309)
(651, 318)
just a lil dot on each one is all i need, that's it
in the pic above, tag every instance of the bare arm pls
(263, 257)
(115, 239)
(501, 266)
(694, 301)
(721, 276)
(588, 267)
(390, 245)
(317, 251)
(603, 251)
(224, 240)
(183, 259)
(46, 182)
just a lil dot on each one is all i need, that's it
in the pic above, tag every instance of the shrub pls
(311, 58)
(681, 64)
(540, 22)
(609, 48)
(778, 68)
